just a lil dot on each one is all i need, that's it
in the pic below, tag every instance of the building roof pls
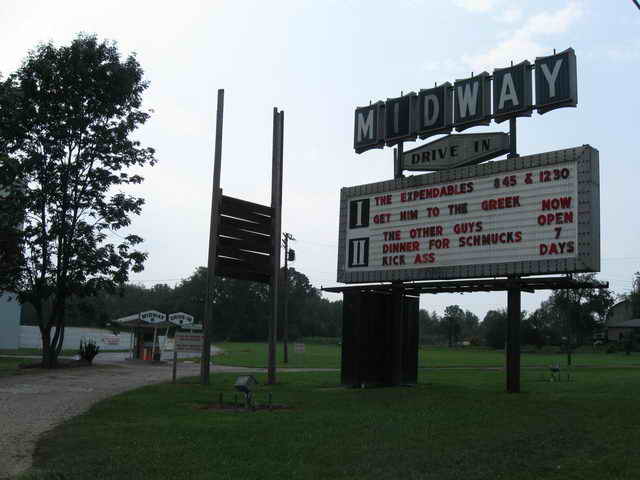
(147, 319)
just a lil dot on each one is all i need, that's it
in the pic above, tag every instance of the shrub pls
(88, 349)
(613, 347)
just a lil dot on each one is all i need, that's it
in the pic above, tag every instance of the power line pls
(334, 245)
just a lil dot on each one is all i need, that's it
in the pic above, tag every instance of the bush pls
(475, 341)
(613, 348)
(88, 349)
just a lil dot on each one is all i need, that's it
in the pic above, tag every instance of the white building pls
(9, 321)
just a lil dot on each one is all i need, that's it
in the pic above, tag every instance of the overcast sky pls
(318, 60)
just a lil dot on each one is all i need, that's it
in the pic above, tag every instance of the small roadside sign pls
(185, 342)
(298, 347)
(188, 342)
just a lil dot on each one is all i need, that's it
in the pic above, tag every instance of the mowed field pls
(328, 356)
(457, 423)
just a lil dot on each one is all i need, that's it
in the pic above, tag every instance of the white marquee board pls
(523, 216)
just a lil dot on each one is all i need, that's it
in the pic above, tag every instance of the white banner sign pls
(188, 342)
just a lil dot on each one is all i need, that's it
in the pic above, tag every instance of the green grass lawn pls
(451, 357)
(328, 356)
(255, 355)
(456, 424)
(9, 366)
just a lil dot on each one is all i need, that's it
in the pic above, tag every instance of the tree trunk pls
(49, 315)
(49, 354)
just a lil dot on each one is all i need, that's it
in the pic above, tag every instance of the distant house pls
(620, 321)
(9, 321)
(9, 306)
(621, 330)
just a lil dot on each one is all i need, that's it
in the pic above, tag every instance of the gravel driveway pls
(31, 404)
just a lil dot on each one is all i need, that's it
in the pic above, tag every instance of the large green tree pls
(66, 119)
(581, 311)
(634, 296)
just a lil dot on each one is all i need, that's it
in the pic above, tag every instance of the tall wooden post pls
(513, 337)
(397, 299)
(514, 294)
(213, 243)
(397, 333)
(276, 205)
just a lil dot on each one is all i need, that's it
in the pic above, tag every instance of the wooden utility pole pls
(285, 328)
(216, 194)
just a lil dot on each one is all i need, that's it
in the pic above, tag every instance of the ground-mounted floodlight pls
(243, 384)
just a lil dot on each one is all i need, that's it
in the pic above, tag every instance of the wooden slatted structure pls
(245, 240)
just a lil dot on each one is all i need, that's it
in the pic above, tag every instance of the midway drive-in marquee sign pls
(467, 103)
(537, 214)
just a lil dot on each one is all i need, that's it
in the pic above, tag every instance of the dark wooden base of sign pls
(380, 325)
(379, 339)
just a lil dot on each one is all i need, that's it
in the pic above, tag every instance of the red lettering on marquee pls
(382, 218)
(383, 200)
(425, 258)
(400, 247)
(556, 203)
(394, 235)
(438, 243)
(489, 239)
(557, 248)
(555, 218)
(468, 227)
(436, 192)
(394, 260)
(422, 232)
(500, 203)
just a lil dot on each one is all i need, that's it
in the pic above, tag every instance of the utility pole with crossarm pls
(289, 255)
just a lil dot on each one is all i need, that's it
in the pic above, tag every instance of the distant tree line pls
(567, 316)
(241, 311)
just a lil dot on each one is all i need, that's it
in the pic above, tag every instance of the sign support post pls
(213, 244)
(514, 299)
(276, 205)
(513, 138)
(397, 298)
(513, 337)
(175, 364)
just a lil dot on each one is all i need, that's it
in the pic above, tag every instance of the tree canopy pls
(66, 119)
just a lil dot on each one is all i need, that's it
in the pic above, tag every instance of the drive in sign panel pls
(529, 215)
